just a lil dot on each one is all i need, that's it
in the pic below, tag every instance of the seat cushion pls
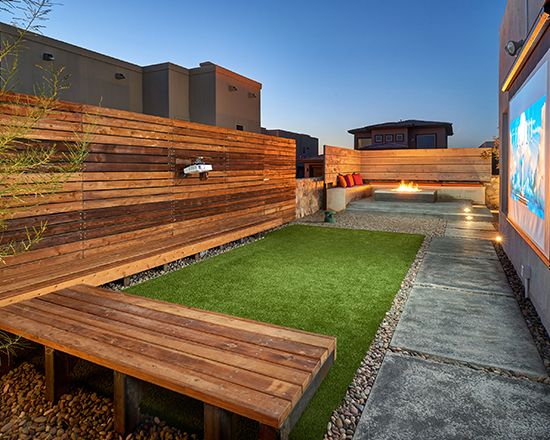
(358, 179)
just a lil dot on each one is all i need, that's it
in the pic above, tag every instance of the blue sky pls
(325, 67)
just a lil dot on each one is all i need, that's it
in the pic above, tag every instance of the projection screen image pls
(527, 156)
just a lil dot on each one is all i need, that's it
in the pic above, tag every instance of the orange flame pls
(407, 187)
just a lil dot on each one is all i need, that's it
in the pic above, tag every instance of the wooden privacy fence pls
(128, 210)
(430, 165)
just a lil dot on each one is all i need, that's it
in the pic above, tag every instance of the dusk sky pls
(325, 68)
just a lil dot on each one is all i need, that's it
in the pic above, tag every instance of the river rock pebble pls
(25, 413)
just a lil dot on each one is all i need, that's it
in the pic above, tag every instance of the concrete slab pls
(449, 210)
(459, 247)
(478, 275)
(471, 327)
(417, 399)
(470, 233)
(467, 224)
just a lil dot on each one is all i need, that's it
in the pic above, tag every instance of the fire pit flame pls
(407, 187)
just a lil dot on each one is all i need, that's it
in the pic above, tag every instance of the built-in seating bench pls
(98, 266)
(237, 367)
(338, 198)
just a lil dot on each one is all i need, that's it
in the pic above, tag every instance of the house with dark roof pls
(400, 135)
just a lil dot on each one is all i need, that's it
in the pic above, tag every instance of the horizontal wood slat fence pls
(127, 210)
(432, 165)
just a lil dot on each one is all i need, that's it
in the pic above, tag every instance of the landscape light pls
(498, 238)
(467, 210)
(469, 217)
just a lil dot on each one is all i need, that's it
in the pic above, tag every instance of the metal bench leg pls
(57, 368)
(217, 423)
(127, 397)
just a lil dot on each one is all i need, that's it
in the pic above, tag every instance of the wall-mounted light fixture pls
(232, 88)
(199, 167)
(513, 47)
(251, 95)
(528, 45)
(119, 75)
(48, 56)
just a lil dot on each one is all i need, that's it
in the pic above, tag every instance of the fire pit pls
(405, 192)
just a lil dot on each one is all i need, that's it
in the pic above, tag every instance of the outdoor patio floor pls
(462, 316)
(448, 210)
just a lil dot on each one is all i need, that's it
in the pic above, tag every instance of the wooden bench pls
(237, 367)
(97, 266)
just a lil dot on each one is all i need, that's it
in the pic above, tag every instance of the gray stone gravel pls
(425, 225)
(25, 413)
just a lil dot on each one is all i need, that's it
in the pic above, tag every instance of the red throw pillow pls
(349, 180)
(357, 179)
(342, 182)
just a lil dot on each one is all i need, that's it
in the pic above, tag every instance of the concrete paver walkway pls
(476, 328)
(418, 399)
(479, 275)
(461, 313)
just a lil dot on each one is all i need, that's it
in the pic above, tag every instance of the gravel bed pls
(426, 225)
(26, 414)
(540, 336)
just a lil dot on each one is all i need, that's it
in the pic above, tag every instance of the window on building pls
(364, 142)
(399, 137)
(378, 138)
(425, 141)
(239, 127)
(389, 138)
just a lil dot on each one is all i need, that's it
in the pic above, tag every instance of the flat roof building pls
(208, 94)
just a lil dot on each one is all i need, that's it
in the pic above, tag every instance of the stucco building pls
(308, 161)
(209, 94)
(524, 83)
(402, 134)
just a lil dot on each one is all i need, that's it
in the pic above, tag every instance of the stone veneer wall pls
(492, 193)
(310, 196)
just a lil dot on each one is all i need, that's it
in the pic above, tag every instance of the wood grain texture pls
(128, 209)
(256, 370)
(433, 165)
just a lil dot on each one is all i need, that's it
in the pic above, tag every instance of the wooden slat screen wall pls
(340, 160)
(128, 198)
(431, 165)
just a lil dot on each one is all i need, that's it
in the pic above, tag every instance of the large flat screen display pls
(528, 150)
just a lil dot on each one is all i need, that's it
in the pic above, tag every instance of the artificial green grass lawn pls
(337, 282)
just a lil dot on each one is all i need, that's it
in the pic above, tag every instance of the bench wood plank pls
(234, 365)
